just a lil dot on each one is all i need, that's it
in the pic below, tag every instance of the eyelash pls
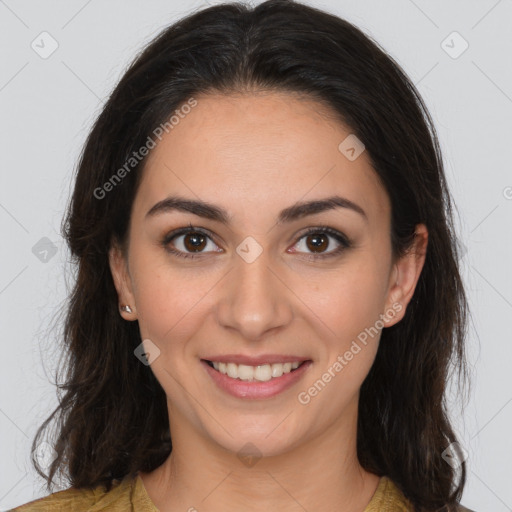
(339, 237)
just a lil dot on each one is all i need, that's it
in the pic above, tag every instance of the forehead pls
(245, 150)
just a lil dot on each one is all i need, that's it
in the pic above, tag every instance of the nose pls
(255, 299)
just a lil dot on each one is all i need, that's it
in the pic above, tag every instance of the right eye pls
(193, 239)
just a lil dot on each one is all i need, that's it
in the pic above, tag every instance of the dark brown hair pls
(112, 416)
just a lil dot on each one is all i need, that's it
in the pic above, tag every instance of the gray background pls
(48, 105)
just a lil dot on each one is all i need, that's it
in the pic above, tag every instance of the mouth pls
(258, 373)
(261, 381)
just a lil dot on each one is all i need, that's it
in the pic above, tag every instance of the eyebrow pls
(218, 214)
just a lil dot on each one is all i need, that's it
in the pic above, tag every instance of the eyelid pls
(185, 230)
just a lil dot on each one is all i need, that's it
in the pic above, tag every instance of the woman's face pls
(256, 288)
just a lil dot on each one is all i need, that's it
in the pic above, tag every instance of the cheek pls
(167, 309)
(167, 301)
(351, 299)
(350, 307)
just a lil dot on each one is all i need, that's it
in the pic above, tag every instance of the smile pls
(261, 373)
(262, 381)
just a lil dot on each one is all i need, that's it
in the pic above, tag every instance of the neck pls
(322, 474)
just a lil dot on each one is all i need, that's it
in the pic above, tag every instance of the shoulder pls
(119, 498)
(388, 498)
(69, 499)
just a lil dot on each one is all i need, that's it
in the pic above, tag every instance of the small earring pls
(127, 309)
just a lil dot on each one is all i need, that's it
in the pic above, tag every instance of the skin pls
(241, 152)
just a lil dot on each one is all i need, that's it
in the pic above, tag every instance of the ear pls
(122, 281)
(404, 277)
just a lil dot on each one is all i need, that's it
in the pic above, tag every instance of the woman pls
(268, 300)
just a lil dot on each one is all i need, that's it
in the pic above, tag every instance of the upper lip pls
(256, 360)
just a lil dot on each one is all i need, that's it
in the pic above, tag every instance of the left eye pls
(196, 241)
(317, 241)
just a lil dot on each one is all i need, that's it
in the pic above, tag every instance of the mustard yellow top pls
(130, 494)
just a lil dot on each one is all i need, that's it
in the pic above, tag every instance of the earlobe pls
(405, 275)
(122, 283)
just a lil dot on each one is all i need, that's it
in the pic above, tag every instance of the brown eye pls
(187, 241)
(194, 241)
(316, 242)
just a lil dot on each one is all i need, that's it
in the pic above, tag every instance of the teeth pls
(249, 373)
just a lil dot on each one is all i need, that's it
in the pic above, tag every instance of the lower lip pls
(256, 389)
